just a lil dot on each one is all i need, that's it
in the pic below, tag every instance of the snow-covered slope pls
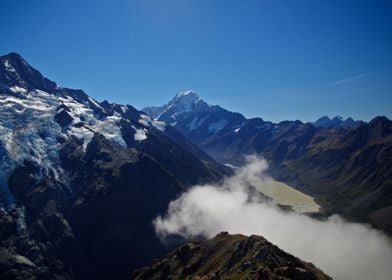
(37, 116)
(34, 123)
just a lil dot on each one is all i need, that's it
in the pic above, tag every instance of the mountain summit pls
(192, 116)
(17, 73)
(187, 101)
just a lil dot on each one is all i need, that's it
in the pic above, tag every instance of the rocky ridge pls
(230, 257)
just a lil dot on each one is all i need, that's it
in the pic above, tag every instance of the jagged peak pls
(12, 56)
(187, 101)
(186, 96)
(324, 118)
(15, 71)
(12, 60)
(338, 117)
(186, 93)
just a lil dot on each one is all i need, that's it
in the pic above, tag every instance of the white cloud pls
(341, 249)
(353, 78)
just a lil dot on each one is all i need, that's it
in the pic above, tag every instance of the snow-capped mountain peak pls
(183, 102)
(188, 113)
(187, 101)
(188, 95)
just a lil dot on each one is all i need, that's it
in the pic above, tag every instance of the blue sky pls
(274, 59)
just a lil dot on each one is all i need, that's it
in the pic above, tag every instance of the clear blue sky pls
(274, 59)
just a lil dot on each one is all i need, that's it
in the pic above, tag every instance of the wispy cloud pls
(353, 78)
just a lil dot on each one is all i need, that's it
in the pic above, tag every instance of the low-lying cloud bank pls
(341, 249)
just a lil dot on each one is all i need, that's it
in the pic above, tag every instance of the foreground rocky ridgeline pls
(230, 257)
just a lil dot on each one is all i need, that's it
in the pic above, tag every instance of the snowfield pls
(29, 130)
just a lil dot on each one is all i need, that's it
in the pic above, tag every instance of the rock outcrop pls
(230, 257)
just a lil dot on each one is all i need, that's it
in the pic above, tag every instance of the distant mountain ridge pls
(198, 120)
(345, 164)
(336, 122)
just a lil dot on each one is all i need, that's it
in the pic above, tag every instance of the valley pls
(345, 164)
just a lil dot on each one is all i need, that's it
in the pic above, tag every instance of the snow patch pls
(124, 109)
(147, 122)
(108, 127)
(159, 125)
(111, 130)
(8, 66)
(192, 125)
(144, 120)
(17, 89)
(232, 166)
(195, 123)
(185, 93)
(217, 126)
(140, 134)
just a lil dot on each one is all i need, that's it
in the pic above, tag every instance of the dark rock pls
(63, 118)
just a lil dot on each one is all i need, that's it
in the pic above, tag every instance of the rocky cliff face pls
(230, 257)
(81, 181)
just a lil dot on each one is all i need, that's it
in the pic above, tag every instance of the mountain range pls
(81, 180)
(345, 164)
